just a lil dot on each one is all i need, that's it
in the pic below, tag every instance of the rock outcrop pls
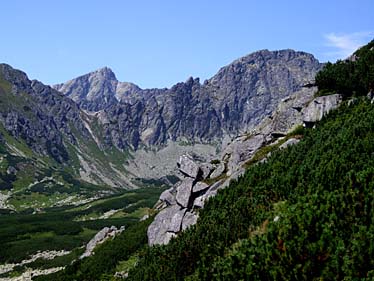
(100, 237)
(319, 107)
(179, 205)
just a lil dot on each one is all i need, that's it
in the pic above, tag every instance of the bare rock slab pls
(188, 166)
(319, 107)
(184, 191)
(188, 220)
(168, 197)
(200, 186)
(168, 220)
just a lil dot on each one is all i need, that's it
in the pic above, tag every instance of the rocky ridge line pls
(233, 101)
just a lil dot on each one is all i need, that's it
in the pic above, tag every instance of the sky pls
(158, 43)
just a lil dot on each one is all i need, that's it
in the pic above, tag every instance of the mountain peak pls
(104, 72)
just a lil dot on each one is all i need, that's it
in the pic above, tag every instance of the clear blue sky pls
(158, 43)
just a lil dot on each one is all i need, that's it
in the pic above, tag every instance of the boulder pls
(212, 191)
(184, 191)
(168, 197)
(370, 96)
(220, 168)
(289, 142)
(167, 237)
(241, 150)
(199, 202)
(11, 170)
(188, 167)
(166, 221)
(206, 170)
(188, 220)
(200, 186)
(319, 107)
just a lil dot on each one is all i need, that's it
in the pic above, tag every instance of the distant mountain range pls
(115, 134)
(234, 100)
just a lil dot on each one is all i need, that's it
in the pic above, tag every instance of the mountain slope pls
(303, 214)
(115, 135)
(236, 99)
(47, 141)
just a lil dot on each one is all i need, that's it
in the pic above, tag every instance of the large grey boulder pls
(188, 166)
(184, 191)
(188, 220)
(166, 222)
(168, 197)
(242, 149)
(319, 107)
(206, 170)
(199, 202)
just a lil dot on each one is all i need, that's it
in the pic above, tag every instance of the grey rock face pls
(288, 115)
(184, 191)
(165, 225)
(206, 170)
(188, 220)
(188, 167)
(97, 90)
(200, 186)
(241, 149)
(235, 100)
(168, 197)
(99, 238)
(319, 107)
(199, 202)
(43, 118)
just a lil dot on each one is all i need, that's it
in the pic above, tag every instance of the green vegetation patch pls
(25, 233)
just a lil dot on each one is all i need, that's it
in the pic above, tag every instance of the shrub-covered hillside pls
(354, 76)
(305, 214)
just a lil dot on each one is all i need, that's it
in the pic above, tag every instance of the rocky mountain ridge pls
(115, 134)
(233, 101)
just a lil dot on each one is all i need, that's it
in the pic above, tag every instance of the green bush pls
(349, 77)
